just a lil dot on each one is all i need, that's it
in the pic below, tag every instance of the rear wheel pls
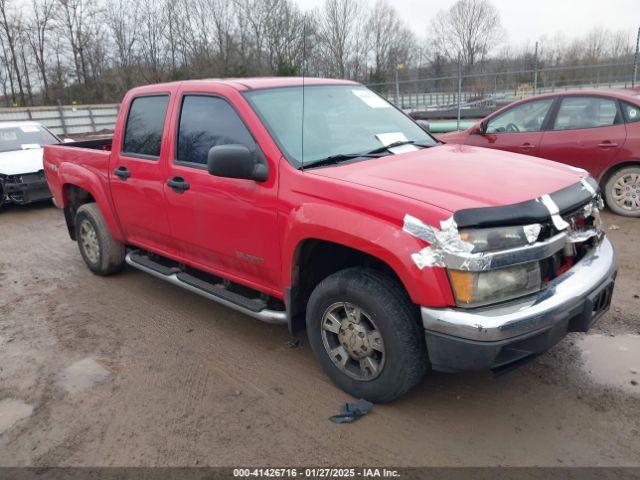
(100, 251)
(622, 192)
(364, 331)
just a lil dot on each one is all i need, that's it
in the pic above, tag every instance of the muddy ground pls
(128, 370)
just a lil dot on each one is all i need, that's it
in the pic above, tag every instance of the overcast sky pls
(530, 19)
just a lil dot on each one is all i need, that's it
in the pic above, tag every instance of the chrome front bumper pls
(564, 296)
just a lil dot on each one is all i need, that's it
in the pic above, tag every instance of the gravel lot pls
(129, 370)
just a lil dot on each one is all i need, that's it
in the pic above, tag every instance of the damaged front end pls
(492, 264)
(522, 277)
(24, 188)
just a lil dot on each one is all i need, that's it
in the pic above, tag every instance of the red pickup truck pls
(319, 205)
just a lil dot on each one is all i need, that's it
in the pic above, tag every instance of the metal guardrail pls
(66, 119)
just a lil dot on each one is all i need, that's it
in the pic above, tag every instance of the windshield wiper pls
(375, 153)
(340, 157)
(399, 143)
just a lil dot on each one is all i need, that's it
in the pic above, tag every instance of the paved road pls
(128, 370)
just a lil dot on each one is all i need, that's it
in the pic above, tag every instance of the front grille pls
(32, 177)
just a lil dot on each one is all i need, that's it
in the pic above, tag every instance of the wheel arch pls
(74, 196)
(314, 259)
(606, 175)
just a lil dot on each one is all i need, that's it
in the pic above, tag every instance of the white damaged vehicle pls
(21, 170)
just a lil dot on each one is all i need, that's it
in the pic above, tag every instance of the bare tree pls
(122, 21)
(337, 23)
(468, 29)
(38, 31)
(10, 26)
(94, 50)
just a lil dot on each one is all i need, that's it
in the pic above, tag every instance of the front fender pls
(374, 236)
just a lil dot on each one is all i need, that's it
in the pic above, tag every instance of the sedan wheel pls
(622, 192)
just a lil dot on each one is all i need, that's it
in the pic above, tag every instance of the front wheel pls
(365, 332)
(622, 192)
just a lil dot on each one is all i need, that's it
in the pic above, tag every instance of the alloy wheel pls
(89, 241)
(353, 341)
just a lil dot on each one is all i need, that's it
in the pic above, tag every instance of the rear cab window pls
(145, 123)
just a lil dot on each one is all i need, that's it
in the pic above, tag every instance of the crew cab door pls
(517, 129)
(587, 132)
(136, 175)
(226, 226)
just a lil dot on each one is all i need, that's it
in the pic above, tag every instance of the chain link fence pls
(481, 93)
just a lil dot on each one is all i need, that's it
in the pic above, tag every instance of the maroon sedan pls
(595, 130)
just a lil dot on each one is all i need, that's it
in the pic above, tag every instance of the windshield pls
(25, 137)
(341, 119)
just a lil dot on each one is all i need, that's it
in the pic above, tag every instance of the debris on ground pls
(293, 343)
(614, 227)
(352, 411)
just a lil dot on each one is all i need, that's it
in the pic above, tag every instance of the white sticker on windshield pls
(29, 146)
(371, 99)
(403, 149)
(391, 137)
(29, 129)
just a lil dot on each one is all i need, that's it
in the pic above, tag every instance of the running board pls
(255, 308)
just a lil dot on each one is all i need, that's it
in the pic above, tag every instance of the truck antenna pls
(304, 67)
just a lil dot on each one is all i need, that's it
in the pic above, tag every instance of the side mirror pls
(235, 161)
(478, 129)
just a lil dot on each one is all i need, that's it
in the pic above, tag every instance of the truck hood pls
(455, 177)
(21, 161)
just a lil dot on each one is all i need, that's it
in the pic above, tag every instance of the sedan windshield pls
(24, 137)
(339, 120)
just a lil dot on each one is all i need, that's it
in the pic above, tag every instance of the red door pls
(226, 226)
(517, 129)
(136, 175)
(587, 132)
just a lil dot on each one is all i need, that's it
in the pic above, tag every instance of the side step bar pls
(255, 308)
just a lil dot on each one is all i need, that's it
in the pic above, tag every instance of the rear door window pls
(526, 117)
(586, 112)
(143, 132)
(205, 122)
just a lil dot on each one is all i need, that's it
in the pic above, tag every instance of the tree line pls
(92, 51)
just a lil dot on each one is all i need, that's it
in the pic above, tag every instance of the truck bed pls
(88, 159)
(92, 144)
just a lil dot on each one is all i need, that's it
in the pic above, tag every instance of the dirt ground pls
(131, 371)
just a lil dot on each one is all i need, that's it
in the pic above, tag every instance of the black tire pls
(609, 192)
(395, 317)
(111, 253)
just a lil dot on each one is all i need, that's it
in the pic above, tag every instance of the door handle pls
(178, 184)
(122, 173)
(526, 146)
(607, 144)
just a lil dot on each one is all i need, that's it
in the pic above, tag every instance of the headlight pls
(501, 238)
(473, 289)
